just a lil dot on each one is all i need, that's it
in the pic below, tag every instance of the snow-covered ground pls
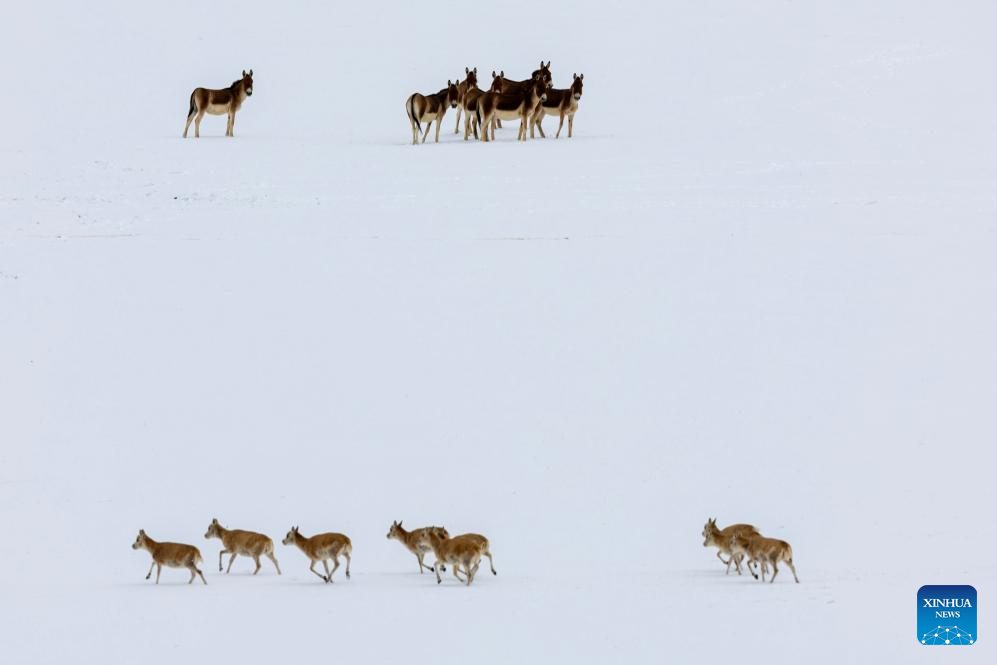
(758, 284)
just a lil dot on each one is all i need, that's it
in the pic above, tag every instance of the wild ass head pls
(471, 78)
(247, 82)
(543, 72)
(576, 86)
(452, 94)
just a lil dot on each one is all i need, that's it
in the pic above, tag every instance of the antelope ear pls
(214, 520)
(399, 522)
(141, 532)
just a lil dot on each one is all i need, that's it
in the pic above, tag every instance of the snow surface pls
(758, 284)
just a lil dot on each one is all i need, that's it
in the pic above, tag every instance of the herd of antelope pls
(463, 553)
(738, 541)
(527, 101)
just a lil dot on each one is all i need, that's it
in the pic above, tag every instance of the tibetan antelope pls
(226, 101)
(174, 555)
(416, 541)
(720, 538)
(427, 108)
(462, 552)
(520, 105)
(462, 89)
(766, 551)
(559, 103)
(322, 547)
(246, 543)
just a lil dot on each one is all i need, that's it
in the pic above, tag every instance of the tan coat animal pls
(469, 104)
(226, 101)
(174, 555)
(322, 547)
(463, 552)
(560, 103)
(520, 105)
(246, 543)
(427, 108)
(720, 538)
(470, 81)
(767, 551)
(416, 541)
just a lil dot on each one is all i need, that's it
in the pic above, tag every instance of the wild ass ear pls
(548, 64)
(502, 73)
(581, 76)
(243, 73)
(250, 72)
(467, 71)
(475, 70)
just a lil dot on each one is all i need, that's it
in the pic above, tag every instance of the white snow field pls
(758, 284)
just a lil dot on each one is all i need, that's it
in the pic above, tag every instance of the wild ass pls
(246, 543)
(767, 551)
(510, 106)
(427, 108)
(462, 89)
(560, 102)
(509, 86)
(469, 104)
(226, 101)
(416, 541)
(463, 552)
(720, 538)
(322, 547)
(173, 555)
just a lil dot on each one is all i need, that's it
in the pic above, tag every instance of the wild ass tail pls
(193, 106)
(410, 109)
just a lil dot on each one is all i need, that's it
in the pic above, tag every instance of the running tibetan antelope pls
(173, 555)
(416, 541)
(720, 538)
(322, 547)
(427, 108)
(562, 103)
(766, 551)
(226, 101)
(521, 105)
(462, 552)
(246, 543)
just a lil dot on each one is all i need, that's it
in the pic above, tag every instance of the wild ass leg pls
(197, 123)
(429, 126)
(558, 135)
(190, 119)
(456, 130)
(439, 119)
(571, 124)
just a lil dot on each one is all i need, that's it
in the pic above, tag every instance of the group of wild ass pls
(527, 101)
(463, 553)
(738, 541)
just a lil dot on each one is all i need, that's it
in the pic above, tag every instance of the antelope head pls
(396, 530)
(291, 536)
(140, 540)
(214, 530)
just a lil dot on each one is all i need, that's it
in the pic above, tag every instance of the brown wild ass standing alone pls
(720, 538)
(462, 552)
(559, 103)
(322, 547)
(173, 555)
(767, 551)
(246, 543)
(520, 105)
(427, 108)
(416, 541)
(226, 101)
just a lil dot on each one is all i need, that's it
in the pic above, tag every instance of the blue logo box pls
(946, 615)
